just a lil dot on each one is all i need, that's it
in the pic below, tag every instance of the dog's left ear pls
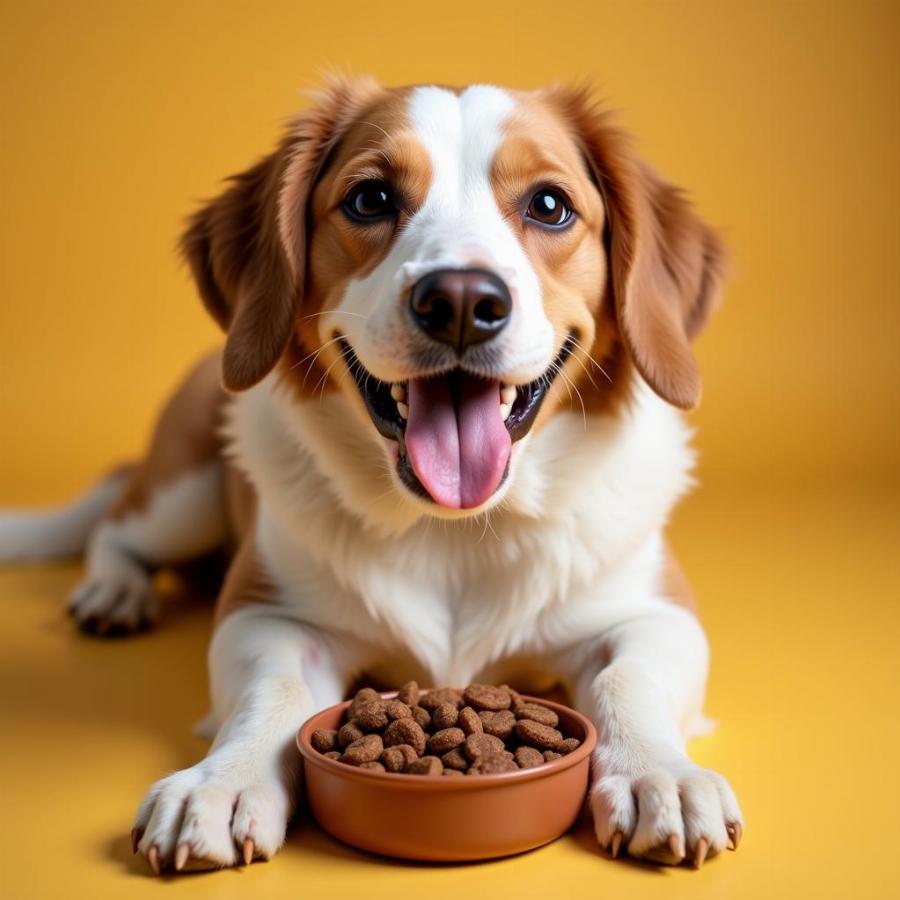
(247, 248)
(666, 265)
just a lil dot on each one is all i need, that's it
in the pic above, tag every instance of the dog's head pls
(463, 263)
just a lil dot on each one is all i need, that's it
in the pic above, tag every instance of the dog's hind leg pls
(172, 509)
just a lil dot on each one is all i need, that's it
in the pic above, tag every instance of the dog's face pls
(463, 264)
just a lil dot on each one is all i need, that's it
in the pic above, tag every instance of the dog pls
(441, 443)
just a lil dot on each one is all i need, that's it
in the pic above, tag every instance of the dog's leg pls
(268, 674)
(181, 520)
(171, 510)
(643, 686)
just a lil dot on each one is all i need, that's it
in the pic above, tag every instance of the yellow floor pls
(799, 591)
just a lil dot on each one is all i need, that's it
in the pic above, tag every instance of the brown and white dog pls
(448, 441)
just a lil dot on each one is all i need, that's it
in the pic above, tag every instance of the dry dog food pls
(483, 730)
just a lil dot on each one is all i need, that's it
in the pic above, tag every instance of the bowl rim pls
(312, 756)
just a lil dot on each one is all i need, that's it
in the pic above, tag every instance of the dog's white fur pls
(558, 577)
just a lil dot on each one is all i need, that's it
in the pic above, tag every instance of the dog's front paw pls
(115, 604)
(211, 816)
(667, 813)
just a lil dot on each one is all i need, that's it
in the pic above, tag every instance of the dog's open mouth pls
(454, 430)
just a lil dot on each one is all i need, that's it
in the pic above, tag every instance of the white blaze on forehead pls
(459, 225)
(459, 222)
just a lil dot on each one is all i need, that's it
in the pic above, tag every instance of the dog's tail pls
(61, 532)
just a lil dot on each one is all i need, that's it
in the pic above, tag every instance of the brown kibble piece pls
(501, 723)
(367, 749)
(444, 716)
(538, 714)
(360, 698)
(324, 739)
(372, 716)
(568, 745)
(469, 721)
(422, 717)
(536, 735)
(445, 740)
(494, 764)
(514, 696)
(427, 765)
(528, 757)
(409, 694)
(455, 759)
(453, 772)
(396, 709)
(486, 696)
(398, 757)
(332, 754)
(349, 733)
(478, 745)
(405, 731)
(433, 699)
(372, 764)
(550, 755)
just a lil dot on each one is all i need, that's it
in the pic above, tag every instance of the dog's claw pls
(182, 852)
(700, 852)
(735, 832)
(616, 844)
(136, 835)
(248, 851)
(153, 859)
(675, 846)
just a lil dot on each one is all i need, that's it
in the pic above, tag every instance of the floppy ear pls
(247, 248)
(666, 265)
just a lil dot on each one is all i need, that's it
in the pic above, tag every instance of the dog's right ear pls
(247, 248)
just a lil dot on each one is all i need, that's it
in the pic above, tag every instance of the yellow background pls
(781, 119)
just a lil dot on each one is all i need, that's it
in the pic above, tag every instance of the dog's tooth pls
(403, 409)
(398, 392)
(505, 410)
(508, 394)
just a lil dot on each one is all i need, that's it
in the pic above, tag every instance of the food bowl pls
(433, 817)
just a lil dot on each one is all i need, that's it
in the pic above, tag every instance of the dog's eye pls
(370, 200)
(548, 207)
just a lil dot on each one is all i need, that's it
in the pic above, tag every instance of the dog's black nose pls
(460, 307)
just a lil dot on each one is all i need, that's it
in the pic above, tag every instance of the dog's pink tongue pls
(458, 449)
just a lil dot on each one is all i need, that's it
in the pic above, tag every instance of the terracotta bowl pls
(432, 817)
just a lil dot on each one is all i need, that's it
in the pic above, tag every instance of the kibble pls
(482, 730)
(363, 696)
(528, 757)
(372, 716)
(445, 716)
(349, 733)
(445, 740)
(486, 696)
(367, 749)
(501, 723)
(478, 745)
(397, 709)
(469, 721)
(536, 735)
(426, 765)
(433, 699)
(405, 731)
(409, 694)
(455, 759)
(538, 714)
(324, 740)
